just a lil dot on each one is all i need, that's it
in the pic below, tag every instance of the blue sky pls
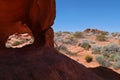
(77, 15)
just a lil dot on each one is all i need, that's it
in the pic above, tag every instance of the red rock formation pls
(87, 30)
(41, 64)
(47, 64)
(105, 73)
(31, 63)
(96, 31)
(38, 15)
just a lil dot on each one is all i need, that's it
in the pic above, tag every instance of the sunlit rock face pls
(26, 16)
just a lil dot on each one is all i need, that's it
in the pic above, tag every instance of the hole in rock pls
(19, 40)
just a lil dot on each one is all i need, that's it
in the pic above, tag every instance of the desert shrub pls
(114, 34)
(103, 61)
(85, 44)
(112, 56)
(63, 48)
(71, 53)
(70, 40)
(109, 54)
(111, 49)
(115, 57)
(117, 65)
(101, 37)
(88, 58)
(104, 33)
(96, 49)
(66, 32)
(78, 35)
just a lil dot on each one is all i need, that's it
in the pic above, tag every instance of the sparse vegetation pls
(101, 37)
(107, 55)
(70, 40)
(110, 55)
(78, 35)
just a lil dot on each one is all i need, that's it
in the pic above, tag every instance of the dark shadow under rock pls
(41, 64)
(106, 73)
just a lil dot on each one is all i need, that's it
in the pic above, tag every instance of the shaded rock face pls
(32, 16)
(105, 73)
(47, 64)
(44, 64)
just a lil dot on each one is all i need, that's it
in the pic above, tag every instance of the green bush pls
(85, 44)
(103, 61)
(115, 57)
(96, 49)
(112, 57)
(117, 65)
(114, 34)
(71, 53)
(88, 58)
(63, 48)
(104, 33)
(101, 37)
(111, 49)
(109, 54)
(70, 40)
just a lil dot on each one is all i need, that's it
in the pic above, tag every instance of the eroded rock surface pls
(41, 64)
(27, 16)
